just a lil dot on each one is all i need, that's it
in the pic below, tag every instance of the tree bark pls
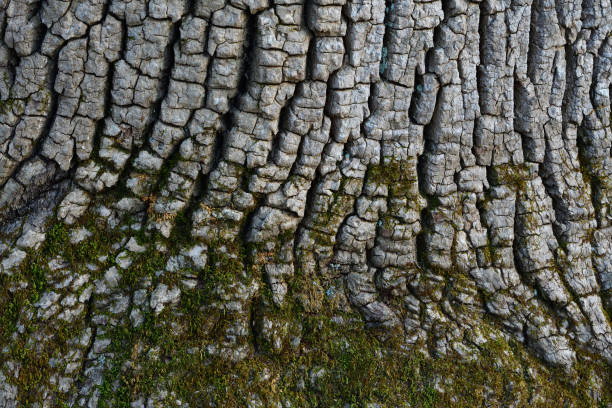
(437, 174)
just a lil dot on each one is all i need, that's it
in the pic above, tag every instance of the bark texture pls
(437, 174)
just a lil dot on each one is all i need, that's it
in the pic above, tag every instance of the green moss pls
(334, 365)
(344, 365)
(224, 264)
(513, 176)
(397, 175)
(6, 105)
(88, 250)
(181, 232)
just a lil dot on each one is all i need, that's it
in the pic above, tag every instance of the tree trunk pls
(305, 203)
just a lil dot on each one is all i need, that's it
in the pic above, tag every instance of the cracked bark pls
(431, 167)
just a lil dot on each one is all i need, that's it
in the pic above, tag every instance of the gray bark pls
(436, 167)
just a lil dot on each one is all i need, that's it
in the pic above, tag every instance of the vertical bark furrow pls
(201, 180)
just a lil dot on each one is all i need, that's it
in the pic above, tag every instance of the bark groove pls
(438, 172)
